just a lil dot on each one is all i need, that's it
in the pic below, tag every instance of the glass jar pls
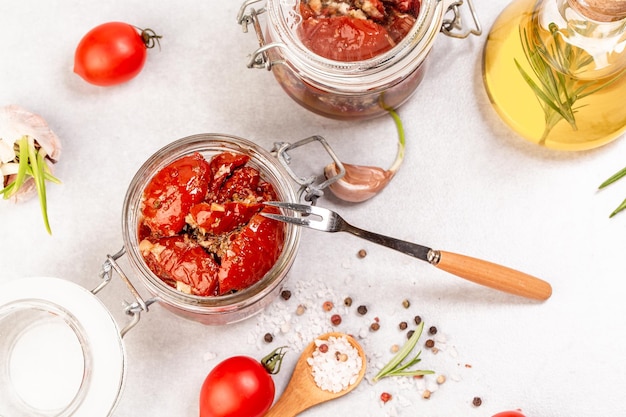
(61, 353)
(349, 90)
(226, 308)
(555, 71)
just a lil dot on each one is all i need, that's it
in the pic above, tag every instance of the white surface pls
(467, 185)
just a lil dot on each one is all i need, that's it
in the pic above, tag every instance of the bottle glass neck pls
(576, 45)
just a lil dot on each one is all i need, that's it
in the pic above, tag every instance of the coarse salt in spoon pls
(302, 391)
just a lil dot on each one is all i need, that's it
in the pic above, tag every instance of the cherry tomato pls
(172, 192)
(509, 414)
(113, 53)
(344, 38)
(239, 386)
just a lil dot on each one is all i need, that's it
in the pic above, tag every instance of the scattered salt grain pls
(209, 356)
(330, 373)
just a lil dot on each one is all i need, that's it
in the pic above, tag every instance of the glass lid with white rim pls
(61, 352)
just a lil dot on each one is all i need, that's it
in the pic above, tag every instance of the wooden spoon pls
(302, 392)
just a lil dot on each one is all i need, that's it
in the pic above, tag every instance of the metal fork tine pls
(301, 208)
(287, 219)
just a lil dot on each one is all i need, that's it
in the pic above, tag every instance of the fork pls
(473, 269)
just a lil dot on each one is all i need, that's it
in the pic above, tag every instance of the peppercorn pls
(430, 343)
(417, 320)
(268, 337)
(285, 294)
(362, 310)
(362, 253)
(409, 334)
(403, 325)
(323, 348)
(335, 319)
(441, 379)
(385, 396)
(432, 330)
(374, 326)
(406, 303)
(328, 305)
(477, 401)
(347, 302)
(426, 394)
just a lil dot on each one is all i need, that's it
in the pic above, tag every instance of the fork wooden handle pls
(494, 276)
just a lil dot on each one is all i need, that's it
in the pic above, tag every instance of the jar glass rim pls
(355, 75)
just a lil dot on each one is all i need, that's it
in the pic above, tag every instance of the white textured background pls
(468, 184)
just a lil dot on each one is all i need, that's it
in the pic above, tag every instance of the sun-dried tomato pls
(202, 231)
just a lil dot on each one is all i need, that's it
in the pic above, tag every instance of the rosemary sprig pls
(619, 174)
(31, 163)
(557, 92)
(396, 366)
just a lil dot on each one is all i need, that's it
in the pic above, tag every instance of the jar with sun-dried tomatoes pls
(351, 59)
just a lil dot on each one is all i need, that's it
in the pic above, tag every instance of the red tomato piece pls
(514, 413)
(410, 6)
(400, 25)
(239, 386)
(344, 38)
(241, 186)
(217, 218)
(171, 193)
(222, 166)
(182, 264)
(112, 53)
(251, 254)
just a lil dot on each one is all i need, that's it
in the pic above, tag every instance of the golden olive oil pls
(549, 88)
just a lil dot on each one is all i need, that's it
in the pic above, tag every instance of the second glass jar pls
(349, 90)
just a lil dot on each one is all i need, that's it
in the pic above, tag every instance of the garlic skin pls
(360, 182)
(15, 123)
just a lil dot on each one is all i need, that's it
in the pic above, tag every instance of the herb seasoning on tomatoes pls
(202, 231)
(354, 30)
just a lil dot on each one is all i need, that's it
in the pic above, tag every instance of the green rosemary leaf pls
(395, 367)
(619, 208)
(412, 373)
(613, 178)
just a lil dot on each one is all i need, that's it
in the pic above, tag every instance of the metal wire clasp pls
(259, 58)
(309, 186)
(133, 309)
(453, 27)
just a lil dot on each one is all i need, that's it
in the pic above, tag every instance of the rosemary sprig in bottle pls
(550, 63)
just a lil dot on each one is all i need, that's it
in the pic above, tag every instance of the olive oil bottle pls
(555, 71)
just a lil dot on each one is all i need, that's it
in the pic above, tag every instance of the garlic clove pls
(359, 183)
(16, 122)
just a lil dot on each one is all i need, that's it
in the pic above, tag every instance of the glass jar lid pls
(61, 351)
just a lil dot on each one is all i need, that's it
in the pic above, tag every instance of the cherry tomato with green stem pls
(113, 53)
(240, 386)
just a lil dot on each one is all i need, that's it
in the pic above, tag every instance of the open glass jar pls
(226, 308)
(349, 90)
